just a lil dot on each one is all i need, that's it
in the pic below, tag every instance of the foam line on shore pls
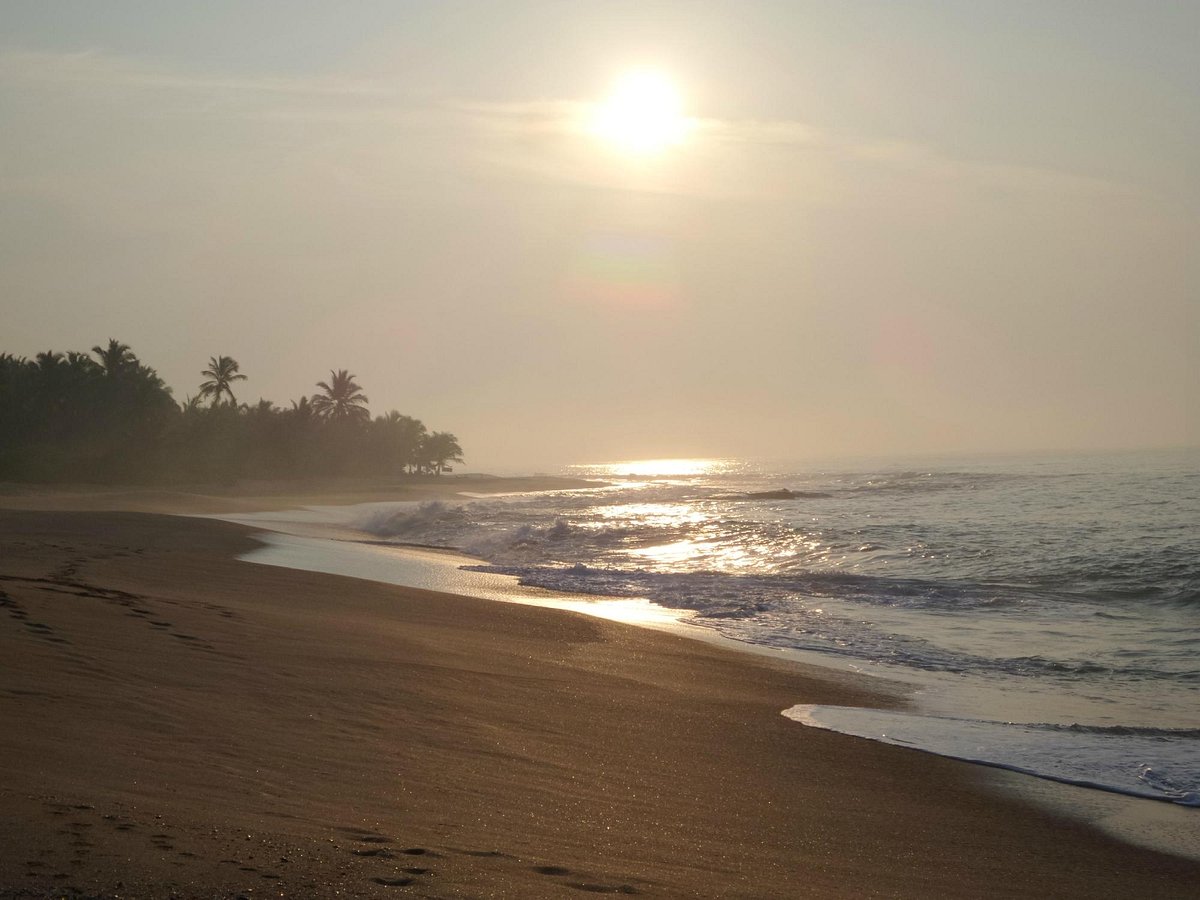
(1068, 754)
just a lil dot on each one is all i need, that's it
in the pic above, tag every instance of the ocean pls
(1042, 611)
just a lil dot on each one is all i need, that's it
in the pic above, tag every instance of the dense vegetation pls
(107, 417)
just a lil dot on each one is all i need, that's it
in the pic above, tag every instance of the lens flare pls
(625, 267)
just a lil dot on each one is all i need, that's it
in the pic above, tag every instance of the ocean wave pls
(1121, 730)
(1079, 669)
(1009, 560)
(697, 589)
(424, 521)
(795, 613)
(1155, 763)
(919, 482)
(1066, 579)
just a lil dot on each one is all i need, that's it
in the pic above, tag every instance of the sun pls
(643, 115)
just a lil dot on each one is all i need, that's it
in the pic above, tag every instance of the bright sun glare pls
(643, 115)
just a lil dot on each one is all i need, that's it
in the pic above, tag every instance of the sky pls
(891, 228)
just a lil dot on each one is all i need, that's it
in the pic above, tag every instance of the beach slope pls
(181, 723)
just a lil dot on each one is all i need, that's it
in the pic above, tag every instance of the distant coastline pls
(267, 494)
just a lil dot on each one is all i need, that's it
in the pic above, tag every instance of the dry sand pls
(179, 723)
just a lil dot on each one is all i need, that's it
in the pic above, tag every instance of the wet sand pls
(178, 722)
(270, 495)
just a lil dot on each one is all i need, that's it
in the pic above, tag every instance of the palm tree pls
(441, 448)
(222, 371)
(342, 400)
(396, 441)
(115, 359)
(301, 409)
(62, 377)
(49, 361)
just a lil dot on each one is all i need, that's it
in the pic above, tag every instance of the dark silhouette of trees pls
(132, 408)
(394, 443)
(438, 449)
(222, 371)
(115, 358)
(69, 416)
(342, 400)
(111, 418)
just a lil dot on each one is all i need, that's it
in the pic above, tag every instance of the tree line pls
(108, 417)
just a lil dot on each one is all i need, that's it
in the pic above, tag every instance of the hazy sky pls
(895, 226)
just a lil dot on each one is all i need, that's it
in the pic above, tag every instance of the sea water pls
(1047, 609)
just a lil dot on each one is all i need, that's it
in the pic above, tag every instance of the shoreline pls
(265, 496)
(1148, 822)
(527, 751)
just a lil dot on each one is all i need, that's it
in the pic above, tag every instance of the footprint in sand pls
(14, 608)
(604, 888)
(492, 854)
(591, 887)
(420, 851)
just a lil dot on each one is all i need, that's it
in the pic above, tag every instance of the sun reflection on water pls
(675, 552)
(659, 468)
(656, 514)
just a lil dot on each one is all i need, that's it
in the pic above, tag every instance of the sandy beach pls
(179, 723)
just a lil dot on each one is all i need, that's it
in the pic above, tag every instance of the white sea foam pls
(1156, 763)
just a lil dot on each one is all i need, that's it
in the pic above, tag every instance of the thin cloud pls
(539, 126)
(542, 117)
(566, 116)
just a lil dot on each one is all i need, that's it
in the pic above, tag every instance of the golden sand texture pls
(180, 723)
